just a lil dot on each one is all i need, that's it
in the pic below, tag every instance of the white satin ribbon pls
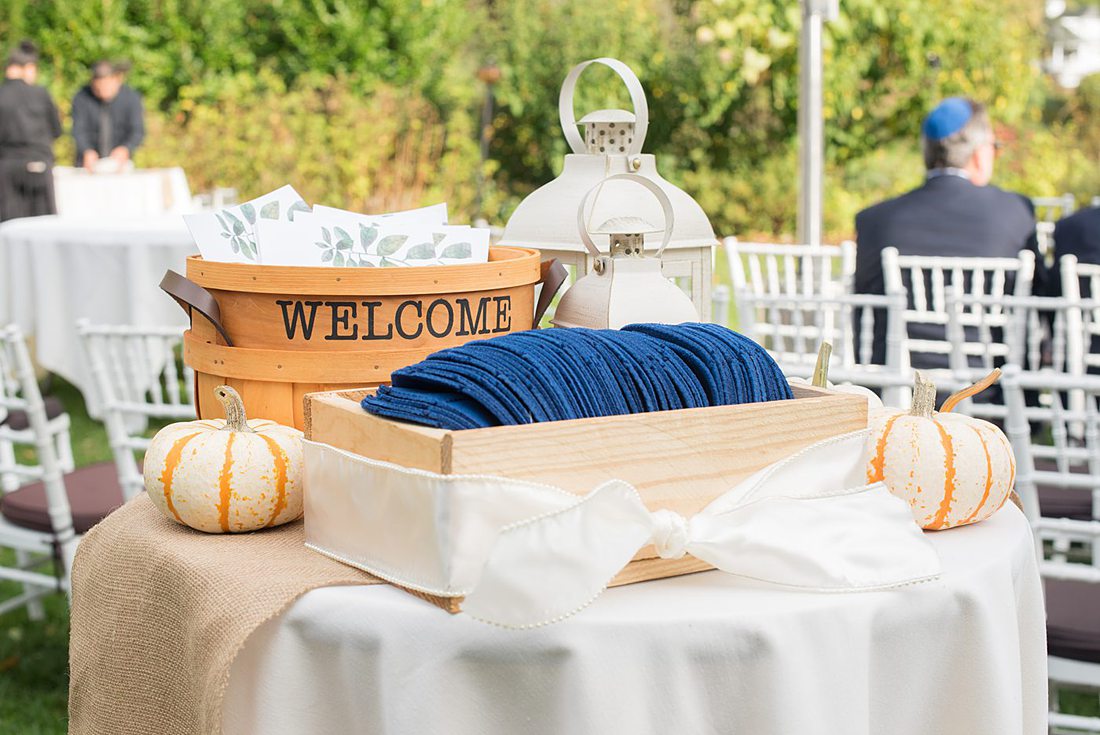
(808, 522)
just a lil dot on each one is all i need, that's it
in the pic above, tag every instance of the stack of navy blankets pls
(557, 374)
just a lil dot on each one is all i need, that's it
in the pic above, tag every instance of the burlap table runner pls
(160, 612)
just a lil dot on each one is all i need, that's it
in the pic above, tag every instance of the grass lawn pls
(34, 676)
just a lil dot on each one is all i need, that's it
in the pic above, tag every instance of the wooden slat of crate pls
(679, 460)
(639, 570)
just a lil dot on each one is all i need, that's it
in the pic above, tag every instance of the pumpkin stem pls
(956, 398)
(235, 419)
(821, 369)
(924, 396)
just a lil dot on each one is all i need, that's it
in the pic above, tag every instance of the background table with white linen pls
(146, 192)
(55, 270)
(696, 654)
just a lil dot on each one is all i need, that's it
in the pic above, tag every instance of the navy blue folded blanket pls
(557, 374)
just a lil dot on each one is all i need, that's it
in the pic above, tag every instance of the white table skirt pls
(55, 270)
(705, 653)
(137, 193)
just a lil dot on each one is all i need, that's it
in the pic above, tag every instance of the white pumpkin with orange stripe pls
(952, 469)
(820, 379)
(226, 476)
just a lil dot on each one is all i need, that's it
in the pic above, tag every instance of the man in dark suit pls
(954, 213)
(29, 124)
(108, 118)
(1077, 234)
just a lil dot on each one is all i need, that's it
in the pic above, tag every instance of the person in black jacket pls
(1077, 234)
(108, 119)
(29, 124)
(955, 212)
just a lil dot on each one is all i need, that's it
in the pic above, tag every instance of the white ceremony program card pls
(279, 228)
(317, 241)
(435, 214)
(230, 235)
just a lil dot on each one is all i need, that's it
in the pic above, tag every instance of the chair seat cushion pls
(18, 420)
(1056, 502)
(93, 493)
(1073, 619)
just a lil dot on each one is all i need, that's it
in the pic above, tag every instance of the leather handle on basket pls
(192, 297)
(552, 277)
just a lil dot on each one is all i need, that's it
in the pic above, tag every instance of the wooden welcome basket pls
(276, 333)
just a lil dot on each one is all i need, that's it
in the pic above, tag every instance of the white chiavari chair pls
(832, 318)
(1052, 461)
(1083, 278)
(1052, 209)
(1083, 353)
(720, 299)
(1078, 280)
(1040, 332)
(928, 280)
(36, 519)
(770, 281)
(1048, 210)
(767, 269)
(140, 376)
(18, 428)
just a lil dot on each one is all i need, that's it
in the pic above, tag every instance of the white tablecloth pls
(138, 193)
(55, 270)
(705, 653)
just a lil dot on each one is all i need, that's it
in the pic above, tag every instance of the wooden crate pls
(679, 460)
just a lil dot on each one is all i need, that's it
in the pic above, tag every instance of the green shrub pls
(375, 104)
(385, 150)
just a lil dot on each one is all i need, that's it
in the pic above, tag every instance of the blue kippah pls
(948, 118)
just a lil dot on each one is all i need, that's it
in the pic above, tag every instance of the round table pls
(143, 192)
(55, 270)
(696, 654)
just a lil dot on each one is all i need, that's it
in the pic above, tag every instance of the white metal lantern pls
(612, 144)
(626, 286)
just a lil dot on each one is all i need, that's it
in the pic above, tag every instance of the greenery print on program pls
(241, 233)
(340, 249)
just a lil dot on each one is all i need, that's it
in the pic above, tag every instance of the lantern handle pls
(657, 191)
(637, 98)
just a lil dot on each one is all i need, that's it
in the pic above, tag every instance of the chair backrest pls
(929, 279)
(1053, 458)
(793, 328)
(1079, 279)
(778, 290)
(1036, 331)
(1044, 236)
(1048, 210)
(762, 269)
(9, 383)
(139, 375)
(1052, 209)
(19, 391)
(1083, 280)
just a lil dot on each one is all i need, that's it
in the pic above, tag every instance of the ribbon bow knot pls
(670, 533)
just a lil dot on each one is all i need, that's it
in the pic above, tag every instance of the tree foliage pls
(347, 98)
